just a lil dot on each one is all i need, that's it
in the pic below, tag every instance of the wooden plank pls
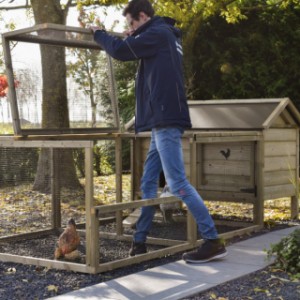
(226, 133)
(29, 235)
(199, 165)
(118, 162)
(223, 187)
(150, 240)
(55, 188)
(258, 205)
(185, 143)
(275, 113)
(191, 223)
(138, 167)
(236, 151)
(91, 216)
(295, 207)
(45, 40)
(280, 163)
(75, 137)
(50, 264)
(279, 177)
(112, 92)
(227, 139)
(143, 257)
(227, 196)
(295, 198)
(227, 180)
(43, 144)
(225, 168)
(236, 101)
(282, 134)
(285, 148)
(279, 191)
(130, 205)
(12, 96)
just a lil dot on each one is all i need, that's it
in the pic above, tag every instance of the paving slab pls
(179, 279)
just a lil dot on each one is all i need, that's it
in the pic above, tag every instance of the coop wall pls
(226, 167)
(280, 172)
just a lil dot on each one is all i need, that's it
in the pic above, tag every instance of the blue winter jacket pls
(160, 93)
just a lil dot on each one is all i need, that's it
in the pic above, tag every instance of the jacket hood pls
(157, 20)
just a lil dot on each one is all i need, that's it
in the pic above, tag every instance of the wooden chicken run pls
(238, 150)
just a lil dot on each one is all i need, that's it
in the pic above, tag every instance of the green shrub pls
(287, 253)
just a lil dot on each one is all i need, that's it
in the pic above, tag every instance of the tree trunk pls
(55, 112)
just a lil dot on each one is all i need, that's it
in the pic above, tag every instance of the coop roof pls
(243, 114)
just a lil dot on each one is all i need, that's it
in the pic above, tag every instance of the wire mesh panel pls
(41, 187)
(60, 81)
(6, 123)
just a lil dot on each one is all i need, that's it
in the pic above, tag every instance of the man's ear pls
(143, 16)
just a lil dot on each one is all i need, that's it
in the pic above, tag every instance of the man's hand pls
(95, 28)
(128, 32)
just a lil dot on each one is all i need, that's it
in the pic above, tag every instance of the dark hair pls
(134, 8)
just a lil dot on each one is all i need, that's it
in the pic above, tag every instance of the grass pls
(6, 128)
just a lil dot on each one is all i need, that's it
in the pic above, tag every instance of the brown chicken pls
(68, 242)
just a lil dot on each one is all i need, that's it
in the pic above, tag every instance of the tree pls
(54, 106)
(257, 59)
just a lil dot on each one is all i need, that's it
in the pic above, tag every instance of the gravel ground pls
(266, 284)
(19, 281)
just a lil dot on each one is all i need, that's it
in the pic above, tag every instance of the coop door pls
(226, 167)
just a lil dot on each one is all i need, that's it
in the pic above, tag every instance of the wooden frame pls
(93, 265)
(55, 220)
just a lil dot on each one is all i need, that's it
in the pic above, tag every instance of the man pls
(161, 107)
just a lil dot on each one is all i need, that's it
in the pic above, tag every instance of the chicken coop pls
(63, 111)
(244, 151)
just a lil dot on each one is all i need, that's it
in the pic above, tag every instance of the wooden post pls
(191, 223)
(12, 96)
(132, 169)
(295, 198)
(119, 214)
(92, 221)
(136, 167)
(55, 189)
(258, 205)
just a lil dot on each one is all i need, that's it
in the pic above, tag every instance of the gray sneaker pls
(209, 250)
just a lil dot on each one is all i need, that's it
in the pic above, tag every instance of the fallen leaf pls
(52, 287)
(279, 278)
(213, 296)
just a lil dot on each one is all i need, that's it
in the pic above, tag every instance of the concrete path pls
(178, 279)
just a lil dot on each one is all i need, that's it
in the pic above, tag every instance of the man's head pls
(138, 12)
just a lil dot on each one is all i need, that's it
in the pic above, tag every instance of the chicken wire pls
(40, 188)
(87, 88)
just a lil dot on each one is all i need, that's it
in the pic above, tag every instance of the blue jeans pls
(165, 153)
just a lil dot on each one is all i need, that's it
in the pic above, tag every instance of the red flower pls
(4, 85)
